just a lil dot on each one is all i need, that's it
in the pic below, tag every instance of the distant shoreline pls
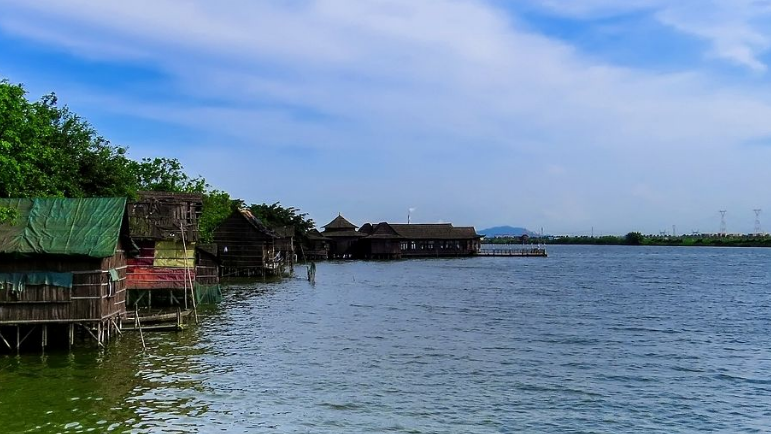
(637, 239)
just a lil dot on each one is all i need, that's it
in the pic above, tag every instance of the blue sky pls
(562, 114)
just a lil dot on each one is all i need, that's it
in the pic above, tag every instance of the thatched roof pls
(315, 235)
(256, 223)
(339, 223)
(437, 231)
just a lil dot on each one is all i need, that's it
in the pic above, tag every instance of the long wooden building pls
(395, 240)
(62, 270)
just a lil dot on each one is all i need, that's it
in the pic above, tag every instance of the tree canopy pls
(48, 151)
(275, 215)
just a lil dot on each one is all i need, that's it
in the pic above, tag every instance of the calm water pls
(591, 339)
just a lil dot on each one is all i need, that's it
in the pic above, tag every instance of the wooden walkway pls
(513, 252)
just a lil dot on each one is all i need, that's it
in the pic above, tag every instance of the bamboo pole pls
(187, 273)
(138, 324)
(6, 342)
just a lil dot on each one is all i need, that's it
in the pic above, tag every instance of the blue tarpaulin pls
(18, 281)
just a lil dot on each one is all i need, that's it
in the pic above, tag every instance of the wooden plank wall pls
(247, 248)
(93, 296)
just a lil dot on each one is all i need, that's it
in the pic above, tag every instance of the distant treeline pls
(46, 150)
(638, 239)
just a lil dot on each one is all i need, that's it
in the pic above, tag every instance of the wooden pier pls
(524, 252)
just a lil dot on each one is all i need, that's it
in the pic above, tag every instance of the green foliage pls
(46, 150)
(217, 206)
(275, 215)
(633, 238)
(8, 215)
(165, 174)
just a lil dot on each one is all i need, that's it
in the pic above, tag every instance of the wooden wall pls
(241, 247)
(93, 297)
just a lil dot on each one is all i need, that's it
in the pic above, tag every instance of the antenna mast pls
(758, 228)
(723, 227)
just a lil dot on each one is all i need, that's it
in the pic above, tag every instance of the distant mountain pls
(501, 231)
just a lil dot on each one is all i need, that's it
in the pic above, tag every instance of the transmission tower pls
(758, 229)
(723, 227)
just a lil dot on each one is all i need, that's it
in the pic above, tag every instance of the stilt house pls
(164, 267)
(245, 246)
(284, 246)
(394, 241)
(344, 238)
(62, 270)
(317, 246)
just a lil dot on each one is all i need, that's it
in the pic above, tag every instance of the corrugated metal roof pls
(59, 226)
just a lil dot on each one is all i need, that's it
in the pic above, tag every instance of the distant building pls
(343, 238)
(395, 240)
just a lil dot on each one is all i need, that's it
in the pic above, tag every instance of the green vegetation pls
(638, 239)
(48, 151)
(275, 215)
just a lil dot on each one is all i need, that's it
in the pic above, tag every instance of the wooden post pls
(44, 337)
(18, 339)
(71, 333)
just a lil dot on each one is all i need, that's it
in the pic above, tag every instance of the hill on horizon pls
(500, 231)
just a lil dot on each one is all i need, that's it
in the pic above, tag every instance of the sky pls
(575, 116)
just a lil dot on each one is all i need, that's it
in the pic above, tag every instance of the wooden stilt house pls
(163, 270)
(245, 246)
(317, 246)
(343, 237)
(62, 270)
(284, 247)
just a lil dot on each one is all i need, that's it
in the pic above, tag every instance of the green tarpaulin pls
(86, 226)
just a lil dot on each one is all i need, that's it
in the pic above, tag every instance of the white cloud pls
(739, 31)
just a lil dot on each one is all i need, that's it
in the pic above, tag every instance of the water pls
(592, 339)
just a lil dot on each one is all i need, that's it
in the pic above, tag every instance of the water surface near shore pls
(590, 339)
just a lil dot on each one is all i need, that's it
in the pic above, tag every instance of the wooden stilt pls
(6, 342)
(18, 339)
(25, 337)
(44, 337)
(116, 326)
(71, 333)
(92, 334)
